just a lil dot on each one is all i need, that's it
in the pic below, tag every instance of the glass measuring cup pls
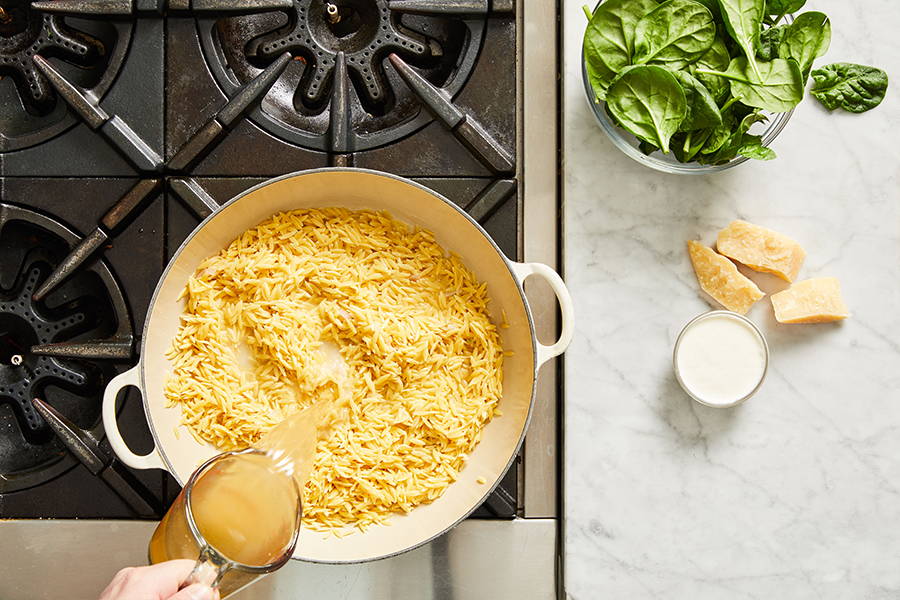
(238, 516)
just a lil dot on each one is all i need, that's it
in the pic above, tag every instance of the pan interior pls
(407, 202)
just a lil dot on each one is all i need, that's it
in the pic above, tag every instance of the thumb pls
(196, 591)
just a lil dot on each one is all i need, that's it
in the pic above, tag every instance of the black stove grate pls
(90, 306)
(88, 51)
(24, 33)
(440, 106)
(342, 45)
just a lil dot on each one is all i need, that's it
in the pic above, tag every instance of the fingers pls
(196, 592)
(176, 570)
(156, 581)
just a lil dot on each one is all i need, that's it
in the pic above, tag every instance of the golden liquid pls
(246, 505)
(246, 509)
(292, 443)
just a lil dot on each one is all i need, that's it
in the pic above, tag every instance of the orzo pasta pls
(410, 322)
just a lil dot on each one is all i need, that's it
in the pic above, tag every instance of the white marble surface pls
(796, 494)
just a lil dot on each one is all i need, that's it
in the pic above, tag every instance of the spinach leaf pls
(675, 34)
(750, 119)
(854, 88)
(695, 142)
(769, 40)
(647, 148)
(609, 37)
(778, 88)
(600, 76)
(609, 40)
(687, 144)
(702, 110)
(752, 147)
(715, 59)
(779, 8)
(648, 102)
(741, 140)
(725, 142)
(743, 20)
(719, 135)
(712, 6)
(805, 40)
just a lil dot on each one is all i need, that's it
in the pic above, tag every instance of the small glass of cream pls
(720, 359)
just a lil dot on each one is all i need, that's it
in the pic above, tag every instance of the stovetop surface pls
(171, 78)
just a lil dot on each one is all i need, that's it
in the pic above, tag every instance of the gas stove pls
(126, 122)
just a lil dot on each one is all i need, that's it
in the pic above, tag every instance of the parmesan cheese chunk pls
(720, 278)
(761, 249)
(811, 301)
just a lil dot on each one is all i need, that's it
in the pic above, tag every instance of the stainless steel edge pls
(538, 174)
(501, 560)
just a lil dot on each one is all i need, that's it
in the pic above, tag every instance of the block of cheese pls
(812, 301)
(720, 278)
(761, 249)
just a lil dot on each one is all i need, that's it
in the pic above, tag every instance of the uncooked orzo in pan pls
(333, 301)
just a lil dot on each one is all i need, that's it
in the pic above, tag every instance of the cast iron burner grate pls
(340, 72)
(24, 33)
(89, 51)
(363, 30)
(88, 306)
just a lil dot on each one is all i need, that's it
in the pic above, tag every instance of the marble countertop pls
(795, 494)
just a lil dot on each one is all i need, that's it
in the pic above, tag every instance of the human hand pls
(156, 582)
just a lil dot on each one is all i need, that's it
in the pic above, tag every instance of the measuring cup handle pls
(206, 572)
(111, 424)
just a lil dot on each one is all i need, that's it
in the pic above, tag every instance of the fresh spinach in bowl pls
(649, 102)
(691, 77)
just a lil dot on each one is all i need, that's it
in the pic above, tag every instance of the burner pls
(362, 29)
(342, 46)
(88, 306)
(24, 33)
(90, 52)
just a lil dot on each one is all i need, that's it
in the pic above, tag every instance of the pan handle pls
(522, 272)
(111, 424)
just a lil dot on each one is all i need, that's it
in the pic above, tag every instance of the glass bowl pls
(667, 163)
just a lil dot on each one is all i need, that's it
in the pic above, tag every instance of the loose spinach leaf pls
(648, 102)
(675, 34)
(854, 88)
(702, 110)
(715, 59)
(769, 41)
(779, 8)
(752, 147)
(778, 88)
(805, 40)
(743, 20)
